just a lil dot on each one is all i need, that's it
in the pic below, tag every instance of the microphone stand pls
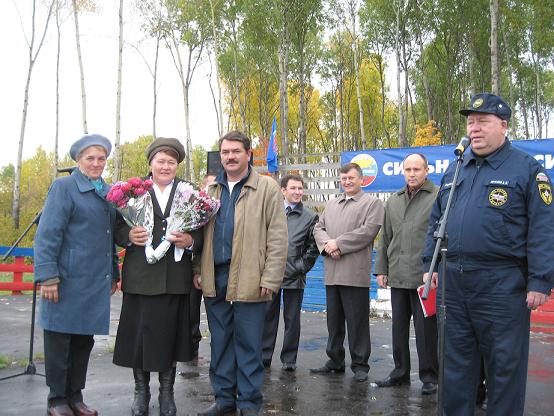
(31, 368)
(441, 246)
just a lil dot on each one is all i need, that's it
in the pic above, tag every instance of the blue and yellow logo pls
(369, 168)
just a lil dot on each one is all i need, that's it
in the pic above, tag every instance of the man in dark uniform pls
(500, 262)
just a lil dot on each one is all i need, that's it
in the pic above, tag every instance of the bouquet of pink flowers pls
(132, 200)
(190, 210)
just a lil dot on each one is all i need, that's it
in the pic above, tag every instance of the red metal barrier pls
(18, 267)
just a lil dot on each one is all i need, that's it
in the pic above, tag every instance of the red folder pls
(429, 305)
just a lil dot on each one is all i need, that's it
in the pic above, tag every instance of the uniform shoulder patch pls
(498, 197)
(541, 177)
(545, 191)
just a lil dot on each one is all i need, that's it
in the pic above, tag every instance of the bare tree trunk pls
(184, 86)
(117, 156)
(340, 88)
(538, 111)
(401, 119)
(32, 59)
(472, 89)
(284, 51)
(57, 130)
(219, 108)
(302, 107)
(81, 69)
(155, 86)
(186, 79)
(353, 5)
(237, 89)
(524, 109)
(450, 106)
(383, 99)
(426, 87)
(495, 70)
(510, 82)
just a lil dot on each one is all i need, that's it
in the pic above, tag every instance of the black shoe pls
(360, 376)
(289, 366)
(326, 370)
(60, 410)
(391, 382)
(142, 392)
(266, 363)
(166, 397)
(217, 410)
(428, 388)
(249, 411)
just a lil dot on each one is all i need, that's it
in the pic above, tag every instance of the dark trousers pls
(195, 302)
(486, 315)
(351, 305)
(405, 305)
(236, 370)
(66, 359)
(292, 303)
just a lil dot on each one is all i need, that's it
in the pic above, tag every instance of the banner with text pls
(383, 168)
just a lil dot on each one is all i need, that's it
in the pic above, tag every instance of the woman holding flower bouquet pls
(154, 328)
(76, 266)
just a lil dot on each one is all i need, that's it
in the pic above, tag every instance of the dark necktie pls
(288, 209)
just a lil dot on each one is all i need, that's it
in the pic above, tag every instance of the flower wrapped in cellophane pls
(190, 210)
(133, 202)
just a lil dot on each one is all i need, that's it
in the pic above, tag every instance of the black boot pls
(166, 399)
(142, 392)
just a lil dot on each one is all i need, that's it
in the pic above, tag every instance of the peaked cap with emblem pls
(488, 104)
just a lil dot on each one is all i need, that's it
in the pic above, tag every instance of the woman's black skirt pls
(154, 332)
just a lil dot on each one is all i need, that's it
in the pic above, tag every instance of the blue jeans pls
(236, 328)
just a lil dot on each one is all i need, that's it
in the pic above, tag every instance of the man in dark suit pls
(302, 253)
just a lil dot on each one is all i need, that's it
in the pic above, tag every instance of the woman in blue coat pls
(76, 266)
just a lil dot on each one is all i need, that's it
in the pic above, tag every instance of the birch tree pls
(495, 71)
(77, 6)
(187, 28)
(215, 6)
(60, 6)
(117, 156)
(34, 46)
(155, 18)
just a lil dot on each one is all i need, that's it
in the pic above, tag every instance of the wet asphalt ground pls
(110, 388)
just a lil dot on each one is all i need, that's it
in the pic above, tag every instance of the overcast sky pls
(99, 33)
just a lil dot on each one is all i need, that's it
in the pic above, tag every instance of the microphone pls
(67, 170)
(462, 146)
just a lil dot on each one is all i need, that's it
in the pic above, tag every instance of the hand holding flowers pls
(130, 199)
(190, 210)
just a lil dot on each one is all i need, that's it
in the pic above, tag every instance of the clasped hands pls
(138, 236)
(332, 249)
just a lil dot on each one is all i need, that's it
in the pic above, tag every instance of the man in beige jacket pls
(344, 235)
(243, 262)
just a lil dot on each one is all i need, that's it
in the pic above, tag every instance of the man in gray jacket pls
(344, 235)
(302, 253)
(398, 265)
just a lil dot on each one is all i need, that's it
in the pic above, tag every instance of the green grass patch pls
(4, 361)
(24, 362)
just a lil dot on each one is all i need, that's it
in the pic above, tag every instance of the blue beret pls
(489, 104)
(89, 140)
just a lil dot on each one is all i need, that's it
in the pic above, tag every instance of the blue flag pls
(272, 151)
